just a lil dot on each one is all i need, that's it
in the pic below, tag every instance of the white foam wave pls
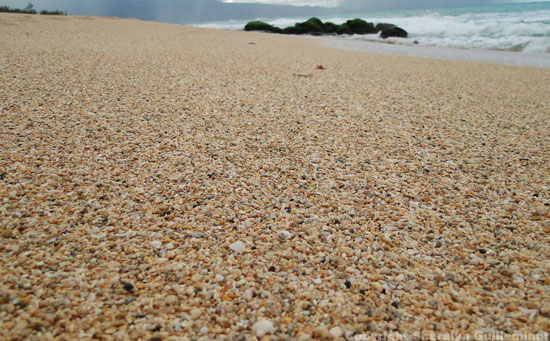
(523, 31)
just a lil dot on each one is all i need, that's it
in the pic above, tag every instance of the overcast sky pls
(329, 3)
(200, 11)
(334, 3)
(326, 3)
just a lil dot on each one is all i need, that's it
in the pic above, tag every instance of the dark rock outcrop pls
(261, 26)
(383, 26)
(315, 26)
(360, 26)
(393, 32)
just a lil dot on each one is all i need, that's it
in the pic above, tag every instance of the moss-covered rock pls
(343, 29)
(261, 26)
(330, 27)
(383, 26)
(360, 26)
(315, 20)
(311, 26)
(315, 26)
(289, 30)
(393, 32)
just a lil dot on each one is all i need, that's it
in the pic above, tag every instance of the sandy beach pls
(164, 182)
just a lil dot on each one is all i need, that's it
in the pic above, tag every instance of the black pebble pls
(140, 316)
(254, 247)
(395, 304)
(157, 329)
(271, 268)
(128, 286)
(362, 291)
(348, 284)
(156, 338)
(482, 251)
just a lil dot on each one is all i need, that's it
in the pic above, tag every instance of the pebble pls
(320, 332)
(336, 332)
(237, 246)
(285, 234)
(156, 244)
(262, 327)
(171, 299)
(195, 313)
(518, 280)
(507, 272)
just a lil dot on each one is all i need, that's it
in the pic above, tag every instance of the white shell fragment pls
(262, 328)
(237, 246)
(156, 244)
(285, 234)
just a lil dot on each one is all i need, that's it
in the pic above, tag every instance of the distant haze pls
(195, 11)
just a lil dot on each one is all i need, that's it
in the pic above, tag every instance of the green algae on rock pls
(315, 26)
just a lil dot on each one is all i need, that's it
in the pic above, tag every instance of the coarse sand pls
(163, 182)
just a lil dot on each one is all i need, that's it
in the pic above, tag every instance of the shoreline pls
(489, 56)
(445, 53)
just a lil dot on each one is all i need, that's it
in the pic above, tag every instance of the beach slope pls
(160, 181)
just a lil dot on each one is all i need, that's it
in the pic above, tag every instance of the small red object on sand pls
(320, 67)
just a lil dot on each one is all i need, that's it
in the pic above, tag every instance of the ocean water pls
(518, 27)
